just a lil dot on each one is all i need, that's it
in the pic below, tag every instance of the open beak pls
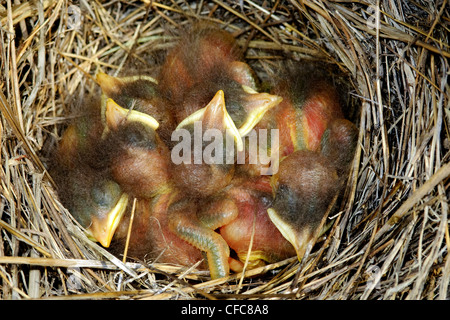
(115, 115)
(215, 116)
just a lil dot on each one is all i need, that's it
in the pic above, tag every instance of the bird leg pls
(184, 222)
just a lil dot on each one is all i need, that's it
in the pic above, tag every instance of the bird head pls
(138, 158)
(86, 188)
(305, 189)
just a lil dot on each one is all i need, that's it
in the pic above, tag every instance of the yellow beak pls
(102, 229)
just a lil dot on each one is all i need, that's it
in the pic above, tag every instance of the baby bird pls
(316, 147)
(208, 89)
(310, 103)
(138, 159)
(205, 61)
(311, 117)
(205, 169)
(88, 191)
(193, 58)
(305, 188)
(166, 226)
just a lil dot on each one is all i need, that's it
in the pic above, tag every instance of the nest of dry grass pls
(390, 236)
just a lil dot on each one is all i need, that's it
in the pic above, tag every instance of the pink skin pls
(252, 198)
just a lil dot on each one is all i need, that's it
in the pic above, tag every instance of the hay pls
(390, 237)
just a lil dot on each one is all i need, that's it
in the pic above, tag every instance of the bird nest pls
(389, 235)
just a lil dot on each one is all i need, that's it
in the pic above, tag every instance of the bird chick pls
(137, 157)
(86, 189)
(193, 58)
(205, 61)
(305, 188)
(206, 168)
(165, 226)
(316, 147)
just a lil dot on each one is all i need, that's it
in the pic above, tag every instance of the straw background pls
(390, 237)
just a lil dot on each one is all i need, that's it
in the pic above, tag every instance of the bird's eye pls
(139, 135)
(105, 193)
(286, 201)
